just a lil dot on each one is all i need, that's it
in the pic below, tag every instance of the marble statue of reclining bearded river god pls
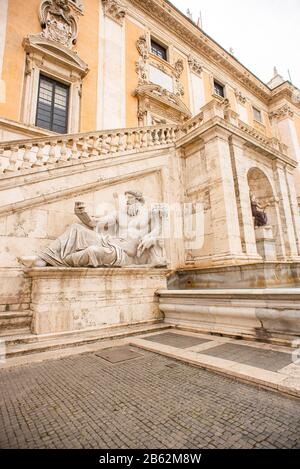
(137, 241)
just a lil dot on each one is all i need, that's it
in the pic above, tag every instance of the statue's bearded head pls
(134, 201)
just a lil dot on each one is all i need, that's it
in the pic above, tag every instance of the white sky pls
(262, 33)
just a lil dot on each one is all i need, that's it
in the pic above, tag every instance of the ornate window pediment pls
(157, 102)
(49, 50)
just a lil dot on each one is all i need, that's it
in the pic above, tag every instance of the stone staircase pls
(15, 323)
(20, 344)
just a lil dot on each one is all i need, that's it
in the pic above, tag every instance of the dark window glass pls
(52, 107)
(257, 114)
(219, 89)
(158, 50)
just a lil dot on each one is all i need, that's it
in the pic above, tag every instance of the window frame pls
(54, 82)
(160, 45)
(217, 82)
(258, 111)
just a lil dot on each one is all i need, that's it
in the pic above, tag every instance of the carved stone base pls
(66, 299)
(265, 243)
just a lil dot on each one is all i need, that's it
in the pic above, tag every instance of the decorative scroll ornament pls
(115, 10)
(240, 97)
(58, 22)
(141, 65)
(284, 111)
(195, 65)
(179, 67)
(142, 47)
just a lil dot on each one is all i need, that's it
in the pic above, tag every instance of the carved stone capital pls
(195, 65)
(58, 22)
(282, 112)
(240, 97)
(115, 10)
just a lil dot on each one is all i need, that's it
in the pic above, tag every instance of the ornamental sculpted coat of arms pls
(58, 22)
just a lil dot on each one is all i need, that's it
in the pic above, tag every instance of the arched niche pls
(260, 185)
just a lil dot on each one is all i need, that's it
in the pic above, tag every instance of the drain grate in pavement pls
(118, 354)
(260, 358)
(176, 340)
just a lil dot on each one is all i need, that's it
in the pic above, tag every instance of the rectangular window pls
(158, 50)
(257, 115)
(219, 89)
(52, 107)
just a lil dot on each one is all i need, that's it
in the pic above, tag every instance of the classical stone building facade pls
(100, 97)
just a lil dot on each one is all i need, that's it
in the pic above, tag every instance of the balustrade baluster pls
(162, 137)
(63, 151)
(137, 139)
(74, 150)
(144, 138)
(107, 142)
(156, 137)
(52, 158)
(95, 146)
(26, 158)
(13, 158)
(168, 136)
(114, 143)
(129, 145)
(85, 148)
(122, 141)
(39, 156)
(149, 138)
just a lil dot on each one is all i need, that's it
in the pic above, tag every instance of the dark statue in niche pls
(258, 212)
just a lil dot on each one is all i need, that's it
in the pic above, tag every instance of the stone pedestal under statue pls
(76, 299)
(265, 242)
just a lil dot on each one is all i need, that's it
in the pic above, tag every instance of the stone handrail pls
(31, 155)
(272, 142)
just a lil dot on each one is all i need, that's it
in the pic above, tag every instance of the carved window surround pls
(157, 104)
(56, 61)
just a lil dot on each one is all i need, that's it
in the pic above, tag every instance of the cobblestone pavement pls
(152, 401)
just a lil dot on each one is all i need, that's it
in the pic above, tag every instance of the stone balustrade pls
(272, 142)
(32, 155)
(22, 156)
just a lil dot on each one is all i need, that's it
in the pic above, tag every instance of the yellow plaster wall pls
(22, 19)
(297, 125)
(207, 86)
(88, 49)
(132, 33)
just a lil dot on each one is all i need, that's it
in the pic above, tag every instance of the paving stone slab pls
(260, 358)
(118, 354)
(176, 340)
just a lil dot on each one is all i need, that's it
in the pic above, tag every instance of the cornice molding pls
(162, 12)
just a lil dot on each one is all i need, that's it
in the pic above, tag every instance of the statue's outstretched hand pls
(146, 243)
(79, 207)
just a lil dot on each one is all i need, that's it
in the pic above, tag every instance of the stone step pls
(18, 345)
(15, 322)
